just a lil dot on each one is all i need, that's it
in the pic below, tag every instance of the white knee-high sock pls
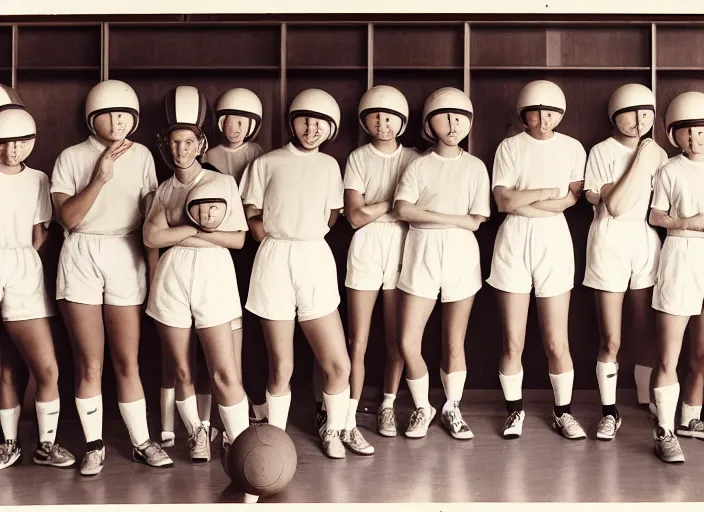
(512, 386)
(48, 420)
(453, 384)
(278, 407)
(689, 413)
(419, 391)
(337, 407)
(642, 377)
(388, 402)
(562, 387)
(90, 412)
(235, 418)
(134, 414)
(666, 398)
(607, 377)
(188, 410)
(168, 403)
(9, 420)
(205, 404)
(352, 415)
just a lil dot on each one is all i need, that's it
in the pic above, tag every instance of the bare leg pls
(644, 330)
(690, 424)
(394, 361)
(279, 343)
(360, 308)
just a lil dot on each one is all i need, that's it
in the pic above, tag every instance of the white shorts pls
(533, 252)
(195, 284)
(680, 284)
(619, 252)
(95, 269)
(374, 257)
(23, 294)
(292, 278)
(444, 261)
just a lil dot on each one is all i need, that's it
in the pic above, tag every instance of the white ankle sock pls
(689, 413)
(388, 401)
(188, 410)
(642, 377)
(337, 407)
(562, 387)
(278, 407)
(48, 420)
(606, 377)
(90, 411)
(352, 415)
(168, 405)
(666, 398)
(235, 418)
(512, 386)
(419, 391)
(9, 420)
(453, 384)
(205, 404)
(260, 411)
(134, 414)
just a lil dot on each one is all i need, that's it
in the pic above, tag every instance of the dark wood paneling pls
(507, 46)
(6, 48)
(52, 47)
(679, 46)
(435, 46)
(609, 46)
(327, 46)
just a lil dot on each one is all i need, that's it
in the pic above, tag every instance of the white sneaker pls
(419, 422)
(513, 428)
(607, 428)
(568, 426)
(332, 444)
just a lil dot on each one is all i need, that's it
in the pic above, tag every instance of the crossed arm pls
(412, 213)
(542, 202)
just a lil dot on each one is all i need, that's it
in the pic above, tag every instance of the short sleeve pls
(62, 180)
(335, 188)
(150, 182)
(662, 191)
(409, 187)
(43, 213)
(252, 184)
(236, 220)
(354, 180)
(505, 173)
(597, 173)
(480, 195)
(579, 163)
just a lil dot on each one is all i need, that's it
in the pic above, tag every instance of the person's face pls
(235, 128)
(113, 126)
(543, 120)
(383, 126)
(635, 123)
(451, 127)
(208, 215)
(312, 132)
(691, 140)
(185, 147)
(14, 153)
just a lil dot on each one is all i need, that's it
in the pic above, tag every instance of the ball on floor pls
(262, 460)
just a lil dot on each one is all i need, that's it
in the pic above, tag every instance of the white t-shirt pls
(679, 188)
(608, 162)
(24, 203)
(454, 186)
(375, 174)
(233, 161)
(118, 209)
(295, 191)
(525, 163)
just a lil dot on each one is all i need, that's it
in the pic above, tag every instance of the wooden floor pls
(539, 467)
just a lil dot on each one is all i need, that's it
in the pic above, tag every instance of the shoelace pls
(94, 457)
(569, 422)
(512, 419)
(387, 417)
(456, 421)
(417, 418)
(201, 437)
(329, 435)
(609, 423)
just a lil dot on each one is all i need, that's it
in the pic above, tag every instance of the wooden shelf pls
(418, 68)
(680, 68)
(558, 68)
(57, 68)
(193, 68)
(326, 68)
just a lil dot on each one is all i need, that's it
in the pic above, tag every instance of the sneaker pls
(321, 421)
(212, 431)
(93, 462)
(51, 454)
(199, 444)
(386, 422)
(695, 429)
(332, 444)
(455, 424)
(419, 422)
(225, 452)
(667, 447)
(568, 426)
(513, 428)
(151, 454)
(354, 440)
(167, 439)
(10, 452)
(607, 428)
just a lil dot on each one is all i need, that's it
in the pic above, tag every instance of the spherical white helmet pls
(9, 98)
(16, 124)
(240, 102)
(315, 103)
(111, 96)
(447, 99)
(686, 110)
(628, 98)
(540, 95)
(384, 98)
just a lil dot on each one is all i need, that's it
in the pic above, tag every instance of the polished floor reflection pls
(540, 466)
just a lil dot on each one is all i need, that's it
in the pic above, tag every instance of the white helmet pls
(9, 98)
(16, 124)
(315, 103)
(686, 110)
(384, 98)
(112, 96)
(540, 95)
(240, 102)
(185, 108)
(447, 99)
(630, 97)
(209, 190)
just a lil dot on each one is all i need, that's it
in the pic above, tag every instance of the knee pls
(454, 351)
(183, 375)
(555, 349)
(126, 369)
(611, 346)
(91, 372)
(7, 376)
(225, 380)
(337, 370)
(513, 347)
(47, 375)
(282, 371)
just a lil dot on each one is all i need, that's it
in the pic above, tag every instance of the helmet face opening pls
(314, 115)
(164, 144)
(255, 121)
(375, 110)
